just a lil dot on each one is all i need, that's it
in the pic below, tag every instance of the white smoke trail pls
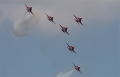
(67, 74)
(24, 25)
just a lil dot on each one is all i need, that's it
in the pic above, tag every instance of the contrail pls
(67, 74)
(24, 25)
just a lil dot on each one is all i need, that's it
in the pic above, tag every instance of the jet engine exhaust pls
(67, 74)
(24, 25)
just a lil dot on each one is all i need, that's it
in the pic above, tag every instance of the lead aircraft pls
(29, 9)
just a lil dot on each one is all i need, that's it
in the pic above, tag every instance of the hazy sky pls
(42, 51)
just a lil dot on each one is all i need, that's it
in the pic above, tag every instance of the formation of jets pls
(50, 18)
(64, 29)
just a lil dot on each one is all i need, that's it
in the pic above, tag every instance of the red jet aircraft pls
(77, 68)
(71, 48)
(78, 19)
(50, 18)
(29, 9)
(64, 29)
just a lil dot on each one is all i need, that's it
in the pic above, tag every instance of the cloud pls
(67, 74)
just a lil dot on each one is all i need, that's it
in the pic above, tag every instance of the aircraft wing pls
(67, 45)
(32, 12)
(81, 23)
(53, 22)
(60, 26)
(26, 6)
(74, 64)
(46, 15)
(80, 71)
(74, 16)
(67, 33)
(74, 52)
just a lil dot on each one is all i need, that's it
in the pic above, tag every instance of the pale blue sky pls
(43, 52)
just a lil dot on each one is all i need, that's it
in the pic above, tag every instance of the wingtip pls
(25, 5)
(53, 22)
(73, 64)
(80, 72)
(74, 52)
(82, 25)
